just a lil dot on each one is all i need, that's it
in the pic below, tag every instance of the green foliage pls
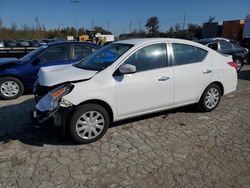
(99, 29)
(39, 31)
(152, 25)
(194, 31)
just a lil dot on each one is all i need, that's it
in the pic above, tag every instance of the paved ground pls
(180, 148)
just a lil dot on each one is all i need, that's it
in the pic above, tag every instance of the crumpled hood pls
(8, 61)
(54, 75)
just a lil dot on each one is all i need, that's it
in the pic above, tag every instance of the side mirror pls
(127, 69)
(36, 61)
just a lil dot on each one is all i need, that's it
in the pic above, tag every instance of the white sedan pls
(131, 78)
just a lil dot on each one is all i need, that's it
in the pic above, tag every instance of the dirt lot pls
(178, 148)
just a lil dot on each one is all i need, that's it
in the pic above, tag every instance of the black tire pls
(202, 105)
(239, 63)
(13, 80)
(78, 113)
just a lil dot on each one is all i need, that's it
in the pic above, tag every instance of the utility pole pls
(184, 22)
(60, 25)
(92, 24)
(75, 2)
(130, 26)
(108, 25)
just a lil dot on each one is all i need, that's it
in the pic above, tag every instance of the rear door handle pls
(207, 71)
(163, 78)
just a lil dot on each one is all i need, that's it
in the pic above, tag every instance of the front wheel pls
(89, 123)
(10, 88)
(210, 98)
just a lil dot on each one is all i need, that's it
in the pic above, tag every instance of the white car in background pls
(1, 44)
(131, 78)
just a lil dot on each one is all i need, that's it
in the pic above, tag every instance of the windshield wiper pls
(87, 68)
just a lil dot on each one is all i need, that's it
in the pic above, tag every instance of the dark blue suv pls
(18, 75)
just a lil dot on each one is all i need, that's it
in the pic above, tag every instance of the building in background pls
(233, 29)
(211, 30)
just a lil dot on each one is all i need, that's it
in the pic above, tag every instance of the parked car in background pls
(33, 43)
(41, 42)
(239, 53)
(245, 42)
(10, 43)
(1, 44)
(22, 43)
(17, 75)
(130, 78)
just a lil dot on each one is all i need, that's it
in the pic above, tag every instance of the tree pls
(177, 27)
(195, 30)
(99, 29)
(81, 31)
(38, 25)
(152, 25)
(170, 32)
(248, 17)
(13, 26)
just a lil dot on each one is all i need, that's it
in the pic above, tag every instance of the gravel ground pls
(177, 148)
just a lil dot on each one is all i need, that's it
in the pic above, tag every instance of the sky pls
(119, 16)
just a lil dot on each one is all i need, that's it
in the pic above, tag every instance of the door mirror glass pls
(36, 61)
(127, 69)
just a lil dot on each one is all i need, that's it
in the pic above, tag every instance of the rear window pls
(236, 46)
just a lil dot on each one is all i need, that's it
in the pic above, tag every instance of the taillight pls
(232, 64)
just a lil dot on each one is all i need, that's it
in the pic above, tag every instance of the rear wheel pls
(89, 123)
(210, 98)
(10, 88)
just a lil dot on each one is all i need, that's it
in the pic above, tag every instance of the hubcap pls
(90, 125)
(212, 98)
(9, 88)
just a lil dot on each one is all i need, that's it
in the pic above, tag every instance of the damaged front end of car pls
(52, 105)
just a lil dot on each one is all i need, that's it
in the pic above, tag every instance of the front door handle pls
(163, 78)
(207, 71)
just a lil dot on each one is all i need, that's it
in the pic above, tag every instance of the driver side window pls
(148, 58)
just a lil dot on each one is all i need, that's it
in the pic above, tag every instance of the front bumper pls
(38, 117)
(58, 117)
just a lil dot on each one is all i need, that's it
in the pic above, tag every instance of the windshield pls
(104, 57)
(33, 53)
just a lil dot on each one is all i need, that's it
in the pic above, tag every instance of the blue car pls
(18, 75)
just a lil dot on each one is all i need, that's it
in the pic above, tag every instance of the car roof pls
(152, 40)
(142, 41)
(206, 41)
(72, 42)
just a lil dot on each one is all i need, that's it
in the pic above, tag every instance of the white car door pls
(151, 87)
(192, 70)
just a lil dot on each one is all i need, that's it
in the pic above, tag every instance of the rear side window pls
(56, 53)
(186, 54)
(82, 51)
(236, 46)
(148, 58)
(213, 45)
(201, 54)
(226, 46)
